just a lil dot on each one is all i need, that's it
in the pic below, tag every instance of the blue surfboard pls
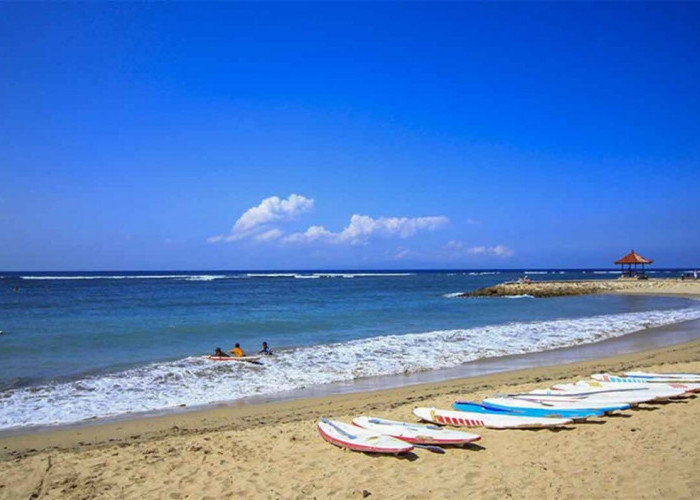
(530, 412)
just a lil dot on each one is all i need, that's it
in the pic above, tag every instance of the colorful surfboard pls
(358, 439)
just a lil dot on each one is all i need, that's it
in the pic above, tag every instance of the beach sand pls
(273, 450)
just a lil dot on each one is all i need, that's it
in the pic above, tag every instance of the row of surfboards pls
(557, 406)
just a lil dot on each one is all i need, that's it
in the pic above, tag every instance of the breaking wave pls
(198, 381)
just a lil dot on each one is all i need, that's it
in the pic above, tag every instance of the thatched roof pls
(633, 258)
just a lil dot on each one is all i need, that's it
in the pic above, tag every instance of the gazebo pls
(630, 260)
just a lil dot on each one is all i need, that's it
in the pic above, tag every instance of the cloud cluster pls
(497, 251)
(256, 222)
(261, 223)
(363, 227)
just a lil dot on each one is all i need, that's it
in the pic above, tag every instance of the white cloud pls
(498, 251)
(472, 222)
(272, 209)
(270, 235)
(256, 222)
(458, 250)
(501, 251)
(480, 250)
(402, 253)
(362, 228)
(314, 233)
(261, 223)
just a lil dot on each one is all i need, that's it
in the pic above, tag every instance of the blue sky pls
(348, 135)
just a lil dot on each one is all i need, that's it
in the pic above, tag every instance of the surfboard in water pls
(233, 358)
(358, 439)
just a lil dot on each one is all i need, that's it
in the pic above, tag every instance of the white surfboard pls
(358, 439)
(679, 377)
(492, 421)
(659, 392)
(416, 433)
(592, 397)
(606, 377)
(233, 358)
(538, 403)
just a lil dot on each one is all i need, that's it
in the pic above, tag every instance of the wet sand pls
(272, 450)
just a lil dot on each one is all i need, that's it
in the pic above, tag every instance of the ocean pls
(85, 346)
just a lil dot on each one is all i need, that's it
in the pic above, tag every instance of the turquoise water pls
(115, 343)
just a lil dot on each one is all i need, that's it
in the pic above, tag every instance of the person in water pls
(219, 353)
(237, 351)
(265, 350)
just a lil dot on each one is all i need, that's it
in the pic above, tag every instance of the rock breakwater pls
(581, 287)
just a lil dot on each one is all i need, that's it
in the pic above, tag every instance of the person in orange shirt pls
(237, 351)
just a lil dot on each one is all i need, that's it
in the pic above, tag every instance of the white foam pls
(278, 275)
(196, 381)
(522, 296)
(453, 295)
(362, 275)
(327, 275)
(210, 277)
(186, 277)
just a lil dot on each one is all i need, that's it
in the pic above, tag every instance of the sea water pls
(79, 346)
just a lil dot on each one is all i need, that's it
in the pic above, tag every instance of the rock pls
(364, 493)
(538, 289)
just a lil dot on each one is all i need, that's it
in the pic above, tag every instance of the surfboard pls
(656, 391)
(606, 377)
(233, 358)
(416, 433)
(593, 397)
(525, 410)
(359, 439)
(679, 377)
(491, 421)
(538, 408)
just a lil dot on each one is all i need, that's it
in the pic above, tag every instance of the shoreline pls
(629, 343)
(272, 449)
(522, 368)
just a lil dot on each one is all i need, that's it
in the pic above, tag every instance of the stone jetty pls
(579, 287)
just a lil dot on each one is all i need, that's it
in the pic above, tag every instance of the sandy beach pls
(273, 450)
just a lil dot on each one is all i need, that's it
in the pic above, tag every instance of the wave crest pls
(196, 381)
